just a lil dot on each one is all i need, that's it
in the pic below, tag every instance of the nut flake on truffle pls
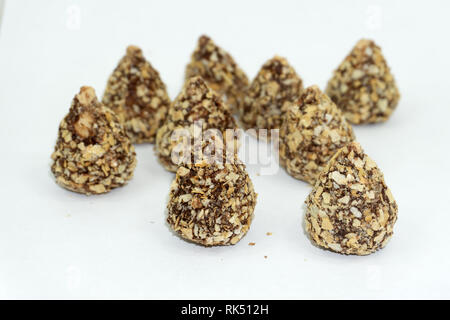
(313, 130)
(270, 95)
(136, 93)
(197, 111)
(211, 204)
(351, 210)
(363, 86)
(92, 154)
(219, 70)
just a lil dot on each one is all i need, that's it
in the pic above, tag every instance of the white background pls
(58, 244)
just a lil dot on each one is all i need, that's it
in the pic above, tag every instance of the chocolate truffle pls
(136, 93)
(219, 70)
(363, 86)
(276, 87)
(351, 210)
(313, 130)
(195, 113)
(92, 154)
(211, 204)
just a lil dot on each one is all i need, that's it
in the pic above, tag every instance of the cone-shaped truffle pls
(351, 210)
(196, 112)
(211, 204)
(312, 131)
(92, 153)
(271, 93)
(136, 93)
(219, 70)
(363, 86)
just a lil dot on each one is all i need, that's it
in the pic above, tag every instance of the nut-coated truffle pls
(211, 204)
(351, 210)
(312, 131)
(198, 120)
(275, 88)
(219, 70)
(136, 93)
(363, 86)
(92, 154)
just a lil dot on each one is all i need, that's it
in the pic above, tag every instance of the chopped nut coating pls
(136, 93)
(211, 204)
(271, 93)
(363, 86)
(92, 153)
(351, 210)
(197, 111)
(219, 70)
(312, 131)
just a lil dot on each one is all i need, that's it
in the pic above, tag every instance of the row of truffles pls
(212, 198)
(362, 87)
(350, 209)
(93, 154)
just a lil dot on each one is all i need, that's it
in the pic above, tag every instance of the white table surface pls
(58, 244)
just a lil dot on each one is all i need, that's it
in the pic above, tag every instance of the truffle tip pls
(133, 50)
(364, 43)
(86, 95)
